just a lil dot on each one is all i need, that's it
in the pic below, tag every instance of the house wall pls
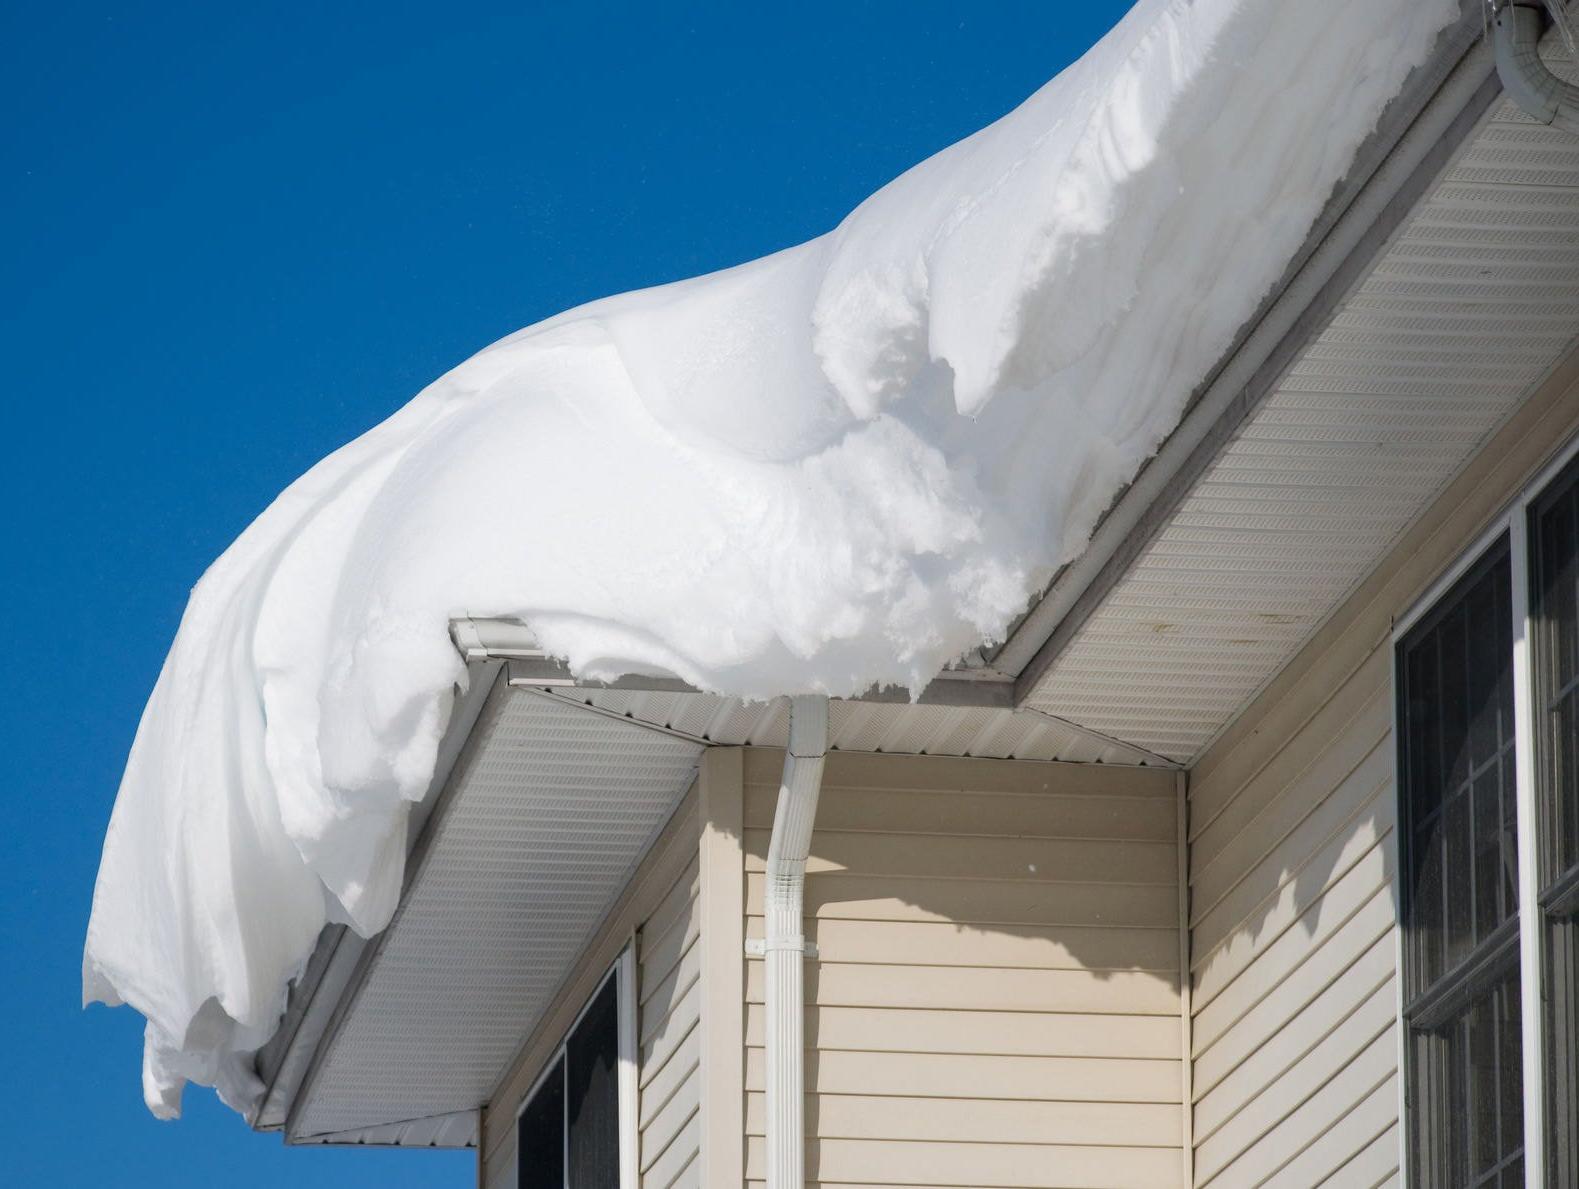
(659, 909)
(1293, 910)
(669, 1048)
(996, 997)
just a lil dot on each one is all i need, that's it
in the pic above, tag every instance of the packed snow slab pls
(840, 465)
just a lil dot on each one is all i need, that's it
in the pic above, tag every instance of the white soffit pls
(457, 1130)
(549, 810)
(897, 727)
(1470, 305)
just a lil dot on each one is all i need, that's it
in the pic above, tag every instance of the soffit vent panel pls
(547, 817)
(1466, 310)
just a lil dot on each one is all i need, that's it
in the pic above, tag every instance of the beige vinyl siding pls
(1293, 916)
(1292, 948)
(995, 1000)
(658, 906)
(669, 1052)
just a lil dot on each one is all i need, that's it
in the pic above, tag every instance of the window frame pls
(623, 974)
(1511, 523)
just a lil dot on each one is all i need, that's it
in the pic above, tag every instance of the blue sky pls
(237, 236)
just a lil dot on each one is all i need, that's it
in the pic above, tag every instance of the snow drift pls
(845, 463)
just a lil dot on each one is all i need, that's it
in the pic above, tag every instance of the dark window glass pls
(569, 1132)
(540, 1148)
(592, 1095)
(1467, 1095)
(1562, 1051)
(1554, 612)
(1460, 905)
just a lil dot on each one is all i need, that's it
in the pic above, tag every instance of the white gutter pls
(784, 947)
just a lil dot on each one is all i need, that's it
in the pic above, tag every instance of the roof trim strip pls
(1417, 135)
(287, 1062)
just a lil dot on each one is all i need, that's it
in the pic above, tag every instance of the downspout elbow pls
(1540, 94)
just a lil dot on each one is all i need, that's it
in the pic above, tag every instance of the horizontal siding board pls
(860, 896)
(956, 1120)
(669, 1121)
(1268, 1053)
(995, 998)
(668, 933)
(1342, 827)
(1367, 1080)
(972, 988)
(1025, 815)
(1031, 1034)
(1360, 899)
(1330, 1152)
(929, 857)
(950, 1075)
(1374, 1164)
(1350, 867)
(1261, 1111)
(499, 1168)
(1269, 803)
(689, 1177)
(679, 1155)
(1259, 818)
(1286, 1004)
(986, 1166)
(658, 999)
(666, 1081)
(1216, 782)
(1293, 987)
(667, 1036)
(1054, 947)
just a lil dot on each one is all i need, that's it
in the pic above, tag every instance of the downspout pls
(784, 947)
(1516, 34)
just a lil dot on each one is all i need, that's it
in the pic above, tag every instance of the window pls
(572, 1127)
(1554, 615)
(1488, 799)
(1460, 892)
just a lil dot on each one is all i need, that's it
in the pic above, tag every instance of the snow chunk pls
(846, 463)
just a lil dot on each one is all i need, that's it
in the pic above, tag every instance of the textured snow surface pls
(842, 464)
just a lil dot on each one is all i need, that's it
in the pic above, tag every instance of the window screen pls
(1460, 886)
(569, 1130)
(1554, 613)
(540, 1151)
(592, 1096)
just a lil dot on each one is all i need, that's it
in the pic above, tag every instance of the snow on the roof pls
(842, 464)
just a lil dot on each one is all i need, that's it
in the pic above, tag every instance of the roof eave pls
(286, 1064)
(1417, 134)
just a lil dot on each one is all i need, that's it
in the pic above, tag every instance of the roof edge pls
(1413, 140)
(457, 1129)
(286, 1064)
(972, 682)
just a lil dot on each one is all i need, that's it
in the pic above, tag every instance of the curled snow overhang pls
(970, 681)
(1443, 104)
(856, 459)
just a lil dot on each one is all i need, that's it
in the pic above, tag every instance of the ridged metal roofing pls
(983, 732)
(1469, 306)
(546, 816)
